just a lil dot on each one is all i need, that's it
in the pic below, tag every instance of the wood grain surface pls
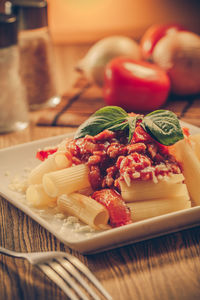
(166, 268)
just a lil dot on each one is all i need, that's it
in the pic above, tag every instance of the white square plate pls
(17, 159)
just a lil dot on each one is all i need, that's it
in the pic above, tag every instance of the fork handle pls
(10, 252)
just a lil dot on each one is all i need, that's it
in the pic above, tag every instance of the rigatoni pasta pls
(66, 181)
(141, 210)
(145, 190)
(37, 197)
(85, 208)
(186, 152)
(54, 162)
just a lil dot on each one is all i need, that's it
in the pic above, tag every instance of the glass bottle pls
(13, 105)
(36, 51)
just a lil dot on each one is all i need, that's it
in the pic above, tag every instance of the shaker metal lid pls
(8, 30)
(31, 14)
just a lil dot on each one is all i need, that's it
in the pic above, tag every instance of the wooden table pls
(164, 268)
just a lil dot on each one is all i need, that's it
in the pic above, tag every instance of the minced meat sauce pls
(112, 158)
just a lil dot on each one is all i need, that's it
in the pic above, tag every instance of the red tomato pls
(119, 213)
(43, 154)
(153, 35)
(135, 86)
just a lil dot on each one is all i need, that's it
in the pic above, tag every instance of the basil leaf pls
(113, 112)
(105, 118)
(163, 126)
(132, 124)
(120, 126)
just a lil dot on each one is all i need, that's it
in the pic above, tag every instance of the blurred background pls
(83, 22)
(80, 21)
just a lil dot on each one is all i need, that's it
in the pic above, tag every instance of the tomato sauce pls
(111, 158)
(118, 211)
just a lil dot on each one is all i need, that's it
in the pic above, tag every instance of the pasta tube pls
(195, 144)
(62, 160)
(37, 197)
(66, 181)
(85, 208)
(185, 153)
(151, 208)
(145, 190)
(54, 162)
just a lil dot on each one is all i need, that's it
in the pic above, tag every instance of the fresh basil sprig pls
(113, 118)
(162, 125)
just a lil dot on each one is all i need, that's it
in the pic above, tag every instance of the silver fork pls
(66, 271)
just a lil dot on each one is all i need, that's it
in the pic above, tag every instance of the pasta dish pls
(112, 175)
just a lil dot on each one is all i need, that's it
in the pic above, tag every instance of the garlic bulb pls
(178, 53)
(93, 64)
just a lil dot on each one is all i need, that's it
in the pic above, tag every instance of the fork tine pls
(39, 259)
(56, 266)
(73, 271)
(58, 280)
(80, 266)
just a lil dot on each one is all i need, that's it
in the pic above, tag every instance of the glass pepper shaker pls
(36, 51)
(13, 105)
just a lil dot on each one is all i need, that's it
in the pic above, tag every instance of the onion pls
(93, 64)
(178, 53)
